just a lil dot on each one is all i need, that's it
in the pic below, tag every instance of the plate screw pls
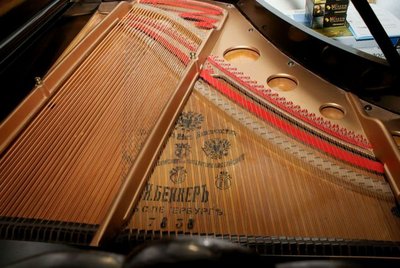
(367, 107)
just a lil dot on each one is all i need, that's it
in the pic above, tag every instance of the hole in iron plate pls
(282, 82)
(241, 53)
(332, 111)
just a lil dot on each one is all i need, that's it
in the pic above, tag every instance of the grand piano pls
(194, 131)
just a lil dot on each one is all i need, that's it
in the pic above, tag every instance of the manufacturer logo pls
(182, 150)
(216, 148)
(178, 174)
(223, 180)
(190, 121)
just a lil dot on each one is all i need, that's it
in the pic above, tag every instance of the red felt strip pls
(174, 50)
(166, 30)
(292, 112)
(202, 10)
(289, 129)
